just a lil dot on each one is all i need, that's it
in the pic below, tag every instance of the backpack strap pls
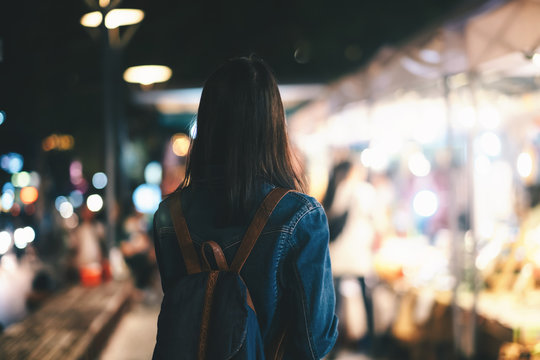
(221, 261)
(255, 228)
(187, 249)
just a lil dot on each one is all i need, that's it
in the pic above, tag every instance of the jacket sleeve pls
(309, 281)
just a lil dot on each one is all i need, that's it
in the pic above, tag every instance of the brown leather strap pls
(207, 310)
(218, 256)
(182, 235)
(277, 349)
(250, 301)
(256, 227)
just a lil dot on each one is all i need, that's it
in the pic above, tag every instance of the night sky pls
(50, 72)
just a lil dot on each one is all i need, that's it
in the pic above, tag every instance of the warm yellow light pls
(180, 144)
(104, 3)
(123, 17)
(29, 194)
(92, 19)
(147, 74)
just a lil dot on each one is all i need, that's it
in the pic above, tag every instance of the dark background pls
(50, 71)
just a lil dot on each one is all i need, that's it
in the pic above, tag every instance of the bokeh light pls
(24, 235)
(5, 242)
(30, 234)
(490, 144)
(20, 238)
(2, 117)
(76, 198)
(94, 203)
(536, 59)
(21, 179)
(8, 186)
(122, 17)
(76, 172)
(12, 162)
(59, 201)
(147, 74)
(524, 165)
(153, 173)
(419, 165)
(99, 180)
(425, 203)
(146, 198)
(66, 209)
(180, 144)
(29, 194)
(92, 19)
(375, 158)
(7, 200)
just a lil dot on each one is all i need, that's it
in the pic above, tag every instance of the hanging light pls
(147, 74)
(114, 18)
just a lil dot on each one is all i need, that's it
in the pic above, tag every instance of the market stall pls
(451, 119)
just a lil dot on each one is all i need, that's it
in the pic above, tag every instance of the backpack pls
(209, 314)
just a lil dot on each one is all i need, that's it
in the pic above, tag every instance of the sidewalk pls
(135, 335)
(134, 338)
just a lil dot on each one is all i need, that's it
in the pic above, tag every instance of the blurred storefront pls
(452, 119)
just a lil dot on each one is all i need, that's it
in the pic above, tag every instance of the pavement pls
(134, 337)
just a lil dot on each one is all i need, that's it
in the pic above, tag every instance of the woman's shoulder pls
(294, 206)
(162, 215)
(302, 201)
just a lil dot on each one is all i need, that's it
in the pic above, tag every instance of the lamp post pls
(108, 19)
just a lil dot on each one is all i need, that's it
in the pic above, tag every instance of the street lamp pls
(113, 19)
(147, 74)
(109, 19)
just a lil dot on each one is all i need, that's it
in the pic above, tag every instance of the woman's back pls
(287, 273)
(240, 152)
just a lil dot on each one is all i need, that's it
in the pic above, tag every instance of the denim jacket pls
(287, 273)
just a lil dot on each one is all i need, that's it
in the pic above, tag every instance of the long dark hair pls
(241, 128)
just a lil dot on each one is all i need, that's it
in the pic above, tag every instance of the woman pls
(241, 152)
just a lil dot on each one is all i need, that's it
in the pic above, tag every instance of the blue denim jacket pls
(287, 273)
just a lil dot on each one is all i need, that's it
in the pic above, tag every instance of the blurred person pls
(138, 250)
(87, 248)
(349, 201)
(240, 154)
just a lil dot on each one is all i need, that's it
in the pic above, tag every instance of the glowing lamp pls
(7, 200)
(524, 165)
(123, 17)
(20, 238)
(66, 209)
(94, 203)
(153, 173)
(29, 194)
(425, 203)
(146, 198)
(114, 18)
(92, 19)
(419, 165)
(180, 144)
(76, 198)
(5, 242)
(147, 74)
(99, 180)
